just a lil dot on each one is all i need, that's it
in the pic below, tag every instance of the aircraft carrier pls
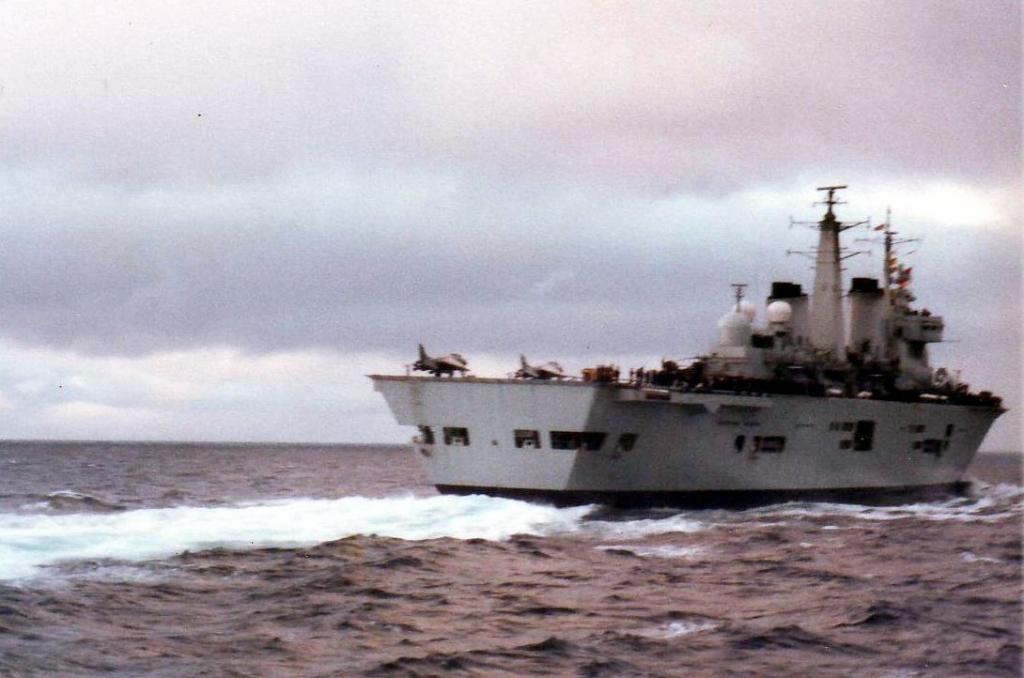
(829, 397)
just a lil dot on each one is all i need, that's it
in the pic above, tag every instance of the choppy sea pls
(133, 559)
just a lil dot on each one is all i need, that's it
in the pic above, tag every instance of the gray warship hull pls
(580, 442)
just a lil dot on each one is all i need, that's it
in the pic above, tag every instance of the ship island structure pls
(829, 398)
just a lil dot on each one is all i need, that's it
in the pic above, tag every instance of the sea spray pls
(32, 540)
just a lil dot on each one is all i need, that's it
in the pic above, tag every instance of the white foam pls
(985, 503)
(29, 542)
(972, 558)
(645, 527)
(36, 506)
(69, 494)
(666, 551)
(675, 629)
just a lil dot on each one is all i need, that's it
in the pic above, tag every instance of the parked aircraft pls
(550, 370)
(448, 364)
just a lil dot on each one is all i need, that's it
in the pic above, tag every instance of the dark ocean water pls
(249, 560)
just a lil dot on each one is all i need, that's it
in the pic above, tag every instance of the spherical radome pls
(748, 309)
(779, 312)
(734, 329)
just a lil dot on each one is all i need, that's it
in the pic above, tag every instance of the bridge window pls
(527, 438)
(932, 446)
(769, 444)
(949, 430)
(576, 440)
(426, 435)
(739, 443)
(864, 436)
(456, 435)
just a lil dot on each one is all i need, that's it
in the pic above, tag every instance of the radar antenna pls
(831, 199)
(829, 222)
(738, 289)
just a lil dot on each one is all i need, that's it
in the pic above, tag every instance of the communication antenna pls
(831, 199)
(830, 217)
(890, 242)
(738, 289)
(830, 222)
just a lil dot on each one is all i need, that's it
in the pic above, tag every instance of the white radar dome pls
(748, 309)
(778, 312)
(734, 329)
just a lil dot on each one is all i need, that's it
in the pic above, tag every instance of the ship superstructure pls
(880, 352)
(826, 396)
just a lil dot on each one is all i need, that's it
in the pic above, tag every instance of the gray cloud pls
(535, 259)
(655, 96)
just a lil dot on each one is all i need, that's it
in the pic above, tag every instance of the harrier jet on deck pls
(551, 370)
(448, 364)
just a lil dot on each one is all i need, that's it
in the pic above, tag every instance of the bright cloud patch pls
(215, 394)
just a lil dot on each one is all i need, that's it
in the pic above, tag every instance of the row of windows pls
(864, 431)
(912, 428)
(456, 435)
(530, 439)
(863, 434)
(920, 428)
(862, 441)
(575, 440)
(934, 445)
(767, 444)
(453, 435)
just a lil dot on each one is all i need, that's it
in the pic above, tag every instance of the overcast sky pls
(217, 217)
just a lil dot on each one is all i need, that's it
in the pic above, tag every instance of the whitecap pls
(29, 542)
(644, 527)
(675, 629)
(664, 551)
(969, 557)
(982, 503)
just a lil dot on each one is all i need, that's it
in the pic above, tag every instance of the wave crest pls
(29, 541)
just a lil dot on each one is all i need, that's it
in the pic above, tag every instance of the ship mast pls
(887, 266)
(738, 293)
(894, 286)
(896, 294)
(827, 298)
